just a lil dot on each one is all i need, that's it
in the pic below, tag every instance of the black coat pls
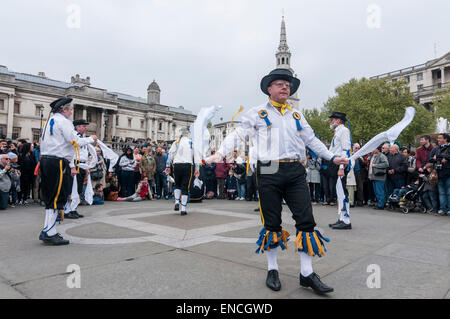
(399, 164)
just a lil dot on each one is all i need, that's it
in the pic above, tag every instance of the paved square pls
(146, 250)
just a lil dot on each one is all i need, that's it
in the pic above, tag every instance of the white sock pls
(305, 264)
(346, 220)
(272, 258)
(177, 193)
(50, 226)
(184, 199)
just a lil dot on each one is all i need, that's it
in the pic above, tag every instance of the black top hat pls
(56, 105)
(280, 74)
(339, 115)
(80, 122)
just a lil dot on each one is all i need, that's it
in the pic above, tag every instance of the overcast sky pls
(215, 52)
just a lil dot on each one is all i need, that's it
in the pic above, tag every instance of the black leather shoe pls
(55, 240)
(336, 223)
(342, 225)
(70, 215)
(273, 281)
(314, 282)
(78, 215)
(378, 208)
(177, 207)
(183, 213)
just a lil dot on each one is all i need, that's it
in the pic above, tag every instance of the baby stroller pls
(411, 201)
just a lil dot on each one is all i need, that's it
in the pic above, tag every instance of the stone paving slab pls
(146, 250)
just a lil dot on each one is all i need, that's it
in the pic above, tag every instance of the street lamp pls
(41, 113)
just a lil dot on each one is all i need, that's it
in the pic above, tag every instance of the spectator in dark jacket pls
(240, 173)
(160, 175)
(209, 177)
(221, 172)
(423, 151)
(231, 185)
(27, 165)
(398, 166)
(440, 156)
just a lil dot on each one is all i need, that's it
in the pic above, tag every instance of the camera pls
(438, 166)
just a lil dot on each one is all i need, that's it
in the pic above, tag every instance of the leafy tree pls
(373, 106)
(319, 123)
(441, 103)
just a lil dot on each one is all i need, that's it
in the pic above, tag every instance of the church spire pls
(283, 55)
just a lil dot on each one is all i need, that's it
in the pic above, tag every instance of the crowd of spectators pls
(139, 175)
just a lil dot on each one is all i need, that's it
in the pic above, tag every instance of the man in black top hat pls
(280, 136)
(80, 128)
(58, 146)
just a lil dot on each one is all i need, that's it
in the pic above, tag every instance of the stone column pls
(166, 131)
(10, 123)
(155, 131)
(84, 109)
(113, 125)
(102, 124)
(149, 125)
(443, 76)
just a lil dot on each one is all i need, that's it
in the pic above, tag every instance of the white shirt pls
(58, 143)
(84, 153)
(281, 141)
(182, 152)
(341, 144)
(127, 164)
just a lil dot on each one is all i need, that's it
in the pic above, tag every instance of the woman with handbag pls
(98, 173)
(377, 174)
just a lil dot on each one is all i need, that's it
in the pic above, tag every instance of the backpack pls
(97, 173)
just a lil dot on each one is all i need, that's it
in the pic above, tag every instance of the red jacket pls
(422, 154)
(222, 170)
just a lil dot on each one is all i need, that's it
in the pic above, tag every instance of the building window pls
(160, 126)
(36, 134)
(419, 76)
(37, 109)
(16, 133)
(420, 87)
(2, 105)
(117, 120)
(282, 60)
(2, 131)
(287, 60)
(129, 122)
(279, 61)
(17, 108)
(142, 123)
(394, 80)
(89, 116)
(407, 78)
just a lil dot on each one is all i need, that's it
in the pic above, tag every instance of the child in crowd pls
(231, 185)
(400, 192)
(429, 194)
(142, 192)
(98, 195)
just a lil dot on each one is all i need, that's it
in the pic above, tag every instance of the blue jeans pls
(97, 201)
(4, 197)
(393, 184)
(161, 184)
(241, 190)
(430, 200)
(378, 188)
(444, 194)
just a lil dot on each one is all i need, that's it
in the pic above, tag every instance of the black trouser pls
(251, 187)
(182, 173)
(288, 182)
(161, 183)
(80, 181)
(55, 181)
(26, 184)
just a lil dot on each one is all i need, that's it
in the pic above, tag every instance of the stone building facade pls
(424, 79)
(25, 104)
